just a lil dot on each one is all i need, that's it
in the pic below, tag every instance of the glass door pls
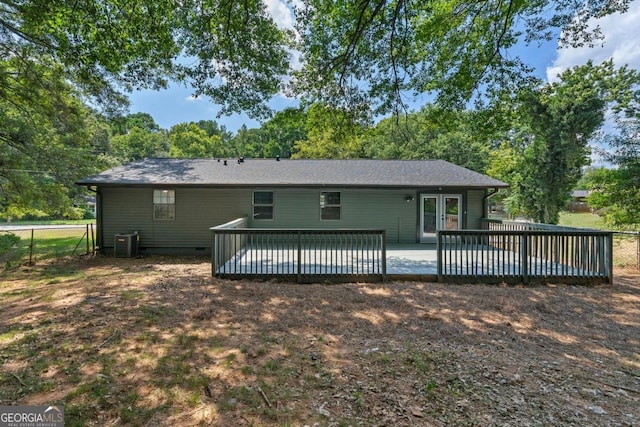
(439, 212)
(451, 206)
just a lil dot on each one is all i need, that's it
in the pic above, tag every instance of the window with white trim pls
(330, 205)
(164, 204)
(263, 205)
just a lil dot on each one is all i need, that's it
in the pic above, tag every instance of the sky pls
(176, 104)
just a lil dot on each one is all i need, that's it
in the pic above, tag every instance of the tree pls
(555, 124)
(140, 143)
(616, 192)
(332, 133)
(237, 54)
(460, 137)
(45, 148)
(380, 52)
(283, 131)
(121, 125)
(188, 140)
(353, 54)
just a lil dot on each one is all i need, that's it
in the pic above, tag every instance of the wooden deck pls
(512, 256)
(407, 261)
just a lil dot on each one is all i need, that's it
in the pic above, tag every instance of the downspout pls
(485, 202)
(96, 191)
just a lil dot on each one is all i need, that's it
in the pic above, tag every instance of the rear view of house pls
(172, 203)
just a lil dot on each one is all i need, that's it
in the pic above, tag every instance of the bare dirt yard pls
(157, 341)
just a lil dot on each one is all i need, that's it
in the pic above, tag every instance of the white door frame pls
(442, 220)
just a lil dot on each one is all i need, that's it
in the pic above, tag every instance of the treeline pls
(65, 69)
(539, 142)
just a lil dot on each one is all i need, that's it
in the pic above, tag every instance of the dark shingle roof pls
(270, 172)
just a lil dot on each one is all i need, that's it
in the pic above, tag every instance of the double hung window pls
(263, 205)
(330, 205)
(164, 204)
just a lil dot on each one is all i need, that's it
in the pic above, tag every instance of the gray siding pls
(361, 208)
(125, 210)
(474, 208)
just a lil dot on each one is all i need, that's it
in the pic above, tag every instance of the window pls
(330, 205)
(262, 205)
(164, 204)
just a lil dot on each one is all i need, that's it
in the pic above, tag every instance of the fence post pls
(637, 250)
(31, 249)
(87, 240)
(93, 241)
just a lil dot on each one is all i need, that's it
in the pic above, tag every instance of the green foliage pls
(7, 241)
(282, 132)
(331, 134)
(122, 125)
(377, 52)
(616, 192)
(45, 147)
(434, 133)
(237, 54)
(247, 142)
(189, 140)
(140, 143)
(550, 136)
(354, 54)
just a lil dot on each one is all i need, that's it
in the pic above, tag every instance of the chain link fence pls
(27, 246)
(626, 249)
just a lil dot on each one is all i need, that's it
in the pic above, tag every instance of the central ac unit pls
(126, 245)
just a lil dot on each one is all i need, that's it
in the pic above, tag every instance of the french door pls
(439, 212)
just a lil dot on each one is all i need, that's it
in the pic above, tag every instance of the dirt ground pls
(158, 341)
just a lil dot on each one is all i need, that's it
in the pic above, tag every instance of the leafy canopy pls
(551, 131)
(353, 54)
(382, 51)
(45, 147)
(230, 51)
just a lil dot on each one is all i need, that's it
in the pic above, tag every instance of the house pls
(578, 201)
(172, 203)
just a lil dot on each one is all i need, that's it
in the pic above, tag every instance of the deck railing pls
(299, 254)
(525, 254)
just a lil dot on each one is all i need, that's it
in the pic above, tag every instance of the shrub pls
(7, 241)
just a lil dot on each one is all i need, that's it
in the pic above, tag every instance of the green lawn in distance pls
(584, 220)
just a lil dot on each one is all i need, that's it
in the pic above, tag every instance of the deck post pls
(383, 236)
(214, 253)
(610, 249)
(439, 254)
(299, 272)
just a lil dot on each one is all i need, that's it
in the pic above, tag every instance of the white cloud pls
(621, 42)
(281, 13)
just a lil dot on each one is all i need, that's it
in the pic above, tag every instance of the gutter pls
(485, 201)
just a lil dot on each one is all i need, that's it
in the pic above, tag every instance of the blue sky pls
(176, 105)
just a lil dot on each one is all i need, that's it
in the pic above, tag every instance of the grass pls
(51, 222)
(583, 220)
(625, 246)
(140, 342)
(47, 244)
